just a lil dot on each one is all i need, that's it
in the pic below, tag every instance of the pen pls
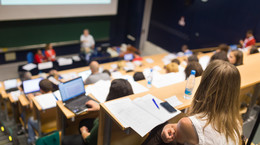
(155, 104)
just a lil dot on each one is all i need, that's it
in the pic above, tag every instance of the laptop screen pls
(31, 86)
(71, 89)
(128, 57)
(85, 74)
(9, 84)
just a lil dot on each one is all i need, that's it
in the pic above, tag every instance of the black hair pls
(176, 61)
(222, 55)
(107, 71)
(138, 76)
(193, 66)
(193, 58)
(254, 50)
(119, 88)
(46, 85)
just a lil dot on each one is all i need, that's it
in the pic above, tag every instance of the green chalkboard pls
(30, 32)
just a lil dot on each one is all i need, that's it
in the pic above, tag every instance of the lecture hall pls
(129, 72)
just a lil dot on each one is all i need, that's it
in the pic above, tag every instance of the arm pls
(183, 132)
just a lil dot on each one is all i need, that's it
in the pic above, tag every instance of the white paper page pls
(131, 115)
(45, 65)
(100, 90)
(29, 66)
(149, 60)
(138, 88)
(173, 101)
(76, 58)
(15, 95)
(64, 61)
(114, 66)
(53, 80)
(69, 76)
(204, 61)
(137, 63)
(57, 95)
(46, 101)
(116, 74)
(168, 79)
(157, 68)
(146, 103)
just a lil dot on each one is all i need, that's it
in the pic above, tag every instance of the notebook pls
(31, 86)
(73, 95)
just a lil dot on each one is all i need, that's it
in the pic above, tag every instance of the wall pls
(207, 24)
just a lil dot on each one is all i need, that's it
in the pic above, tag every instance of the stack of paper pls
(29, 66)
(64, 61)
(140, 114)
(45, 65)
(46, 101)
(15, 95)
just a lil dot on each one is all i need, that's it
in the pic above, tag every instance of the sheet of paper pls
(15, 95)
(149, 60)
(114, 66)
(173, 101)
(100, 90)
(204, 61)
(116, 74)
(46, 101)
(64, 61)
(138, 63)
(138, 88)
(131, 115)
(168, 79)
(29, 66)
(53, 80)
(76, 58)
(57, 95)
(157, 68)
(45, 65)
(69, 76)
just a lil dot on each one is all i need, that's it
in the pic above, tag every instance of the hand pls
(168, 133)
(93, 106)
(84, 132)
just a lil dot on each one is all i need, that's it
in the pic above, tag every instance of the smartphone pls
(168, 107)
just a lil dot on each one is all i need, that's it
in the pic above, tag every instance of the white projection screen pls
(44, 9)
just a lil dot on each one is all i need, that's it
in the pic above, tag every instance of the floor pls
(9, 71)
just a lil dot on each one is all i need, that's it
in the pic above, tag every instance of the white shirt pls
(89, 41)
(208, 135)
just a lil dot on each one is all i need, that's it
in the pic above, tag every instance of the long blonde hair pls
(217, 99)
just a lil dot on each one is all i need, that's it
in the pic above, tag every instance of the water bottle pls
(150, 79)
(190, 85)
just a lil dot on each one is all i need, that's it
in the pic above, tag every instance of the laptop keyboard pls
(79, 104)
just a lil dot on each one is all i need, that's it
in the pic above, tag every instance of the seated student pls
(186, 50)
(193, 58)
(222, 55)
(45, 88)
(96, 75)
(39, 57)
(176, 61)
(193, 66)
(236, 57)
(214, 115)
(50, 53)
(119, 88)
(138, 76)
(223, 47)
(249, 40)
(172, 67)
(107, 71)
(254, 50)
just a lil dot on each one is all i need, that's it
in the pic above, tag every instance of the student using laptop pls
(214, 117)
(119, 88)
(96, 75)
(45, 88)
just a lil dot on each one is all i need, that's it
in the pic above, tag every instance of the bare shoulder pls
(187, 130)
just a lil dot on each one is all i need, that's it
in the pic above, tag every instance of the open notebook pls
(141, 114)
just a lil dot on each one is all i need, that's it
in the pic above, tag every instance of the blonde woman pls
(214, 117)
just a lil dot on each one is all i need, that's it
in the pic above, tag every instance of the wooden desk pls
(47, 119)
(14, 106)
(24, 109)
(250, 76)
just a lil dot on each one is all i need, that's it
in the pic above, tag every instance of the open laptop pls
(31, 86)
(84, 74)
(73, 95)
(10, 85)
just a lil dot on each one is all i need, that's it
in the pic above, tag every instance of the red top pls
(249, 41)
(50, 54)
(38, 58)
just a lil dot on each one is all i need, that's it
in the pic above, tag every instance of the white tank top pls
(209, 136)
